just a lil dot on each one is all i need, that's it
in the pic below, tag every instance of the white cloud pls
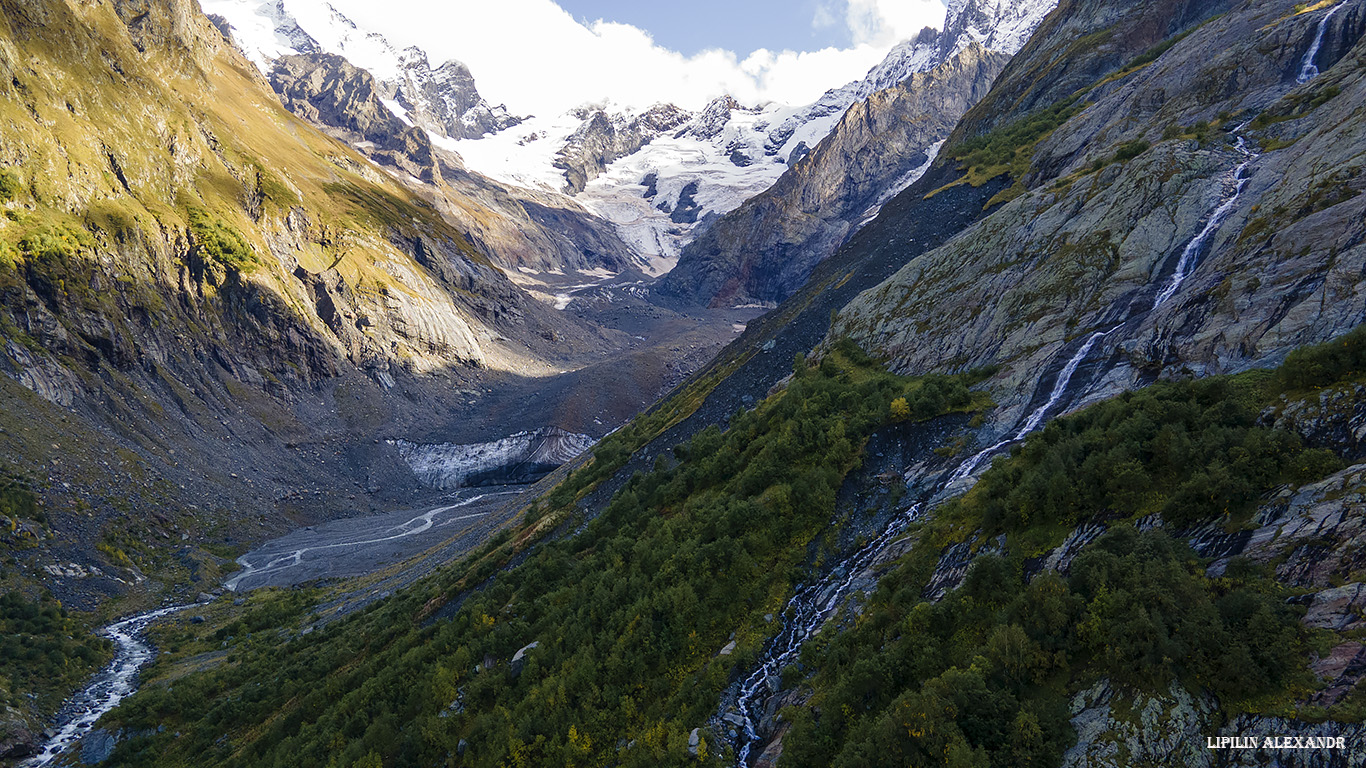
(885, 23)
(826, 15)
(538, 59)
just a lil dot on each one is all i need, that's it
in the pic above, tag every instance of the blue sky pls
(692, 26)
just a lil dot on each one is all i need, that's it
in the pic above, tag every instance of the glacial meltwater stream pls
(813, 604)
(112, 685)
(356, 543)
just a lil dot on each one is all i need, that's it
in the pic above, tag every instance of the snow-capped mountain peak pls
(661, 175)
(443, 100)
(997, 25)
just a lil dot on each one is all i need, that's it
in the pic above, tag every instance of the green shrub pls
(44, 651)
(1323, 364)
(999, 147)
(986, 673)
(17, 499)
(10, 184)
(1131, 149)
(218, 241)
(54, 245)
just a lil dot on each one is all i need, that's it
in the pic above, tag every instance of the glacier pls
(520, 458)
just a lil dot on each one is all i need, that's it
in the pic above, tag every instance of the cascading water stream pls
(1191, 255)
(112, 685)
(814, 603)
(1308, 70)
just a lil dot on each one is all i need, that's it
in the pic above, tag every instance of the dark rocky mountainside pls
(445, 98)
(767, 248)
(1195, 203)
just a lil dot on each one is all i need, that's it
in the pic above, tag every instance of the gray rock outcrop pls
(445, 99)
(1093, 236)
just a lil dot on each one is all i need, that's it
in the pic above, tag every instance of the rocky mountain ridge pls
(211, 312)
(514, 228)
(767, 248)
(1116, 195)
(443, 99)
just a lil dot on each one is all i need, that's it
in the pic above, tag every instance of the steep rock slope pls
(765, 250)
(209, 308)
(1200, 211)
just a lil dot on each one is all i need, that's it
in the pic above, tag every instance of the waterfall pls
(1308, 70)
(1191, 254)
(814, 603)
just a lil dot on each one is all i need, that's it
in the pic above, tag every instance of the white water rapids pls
(110, 686)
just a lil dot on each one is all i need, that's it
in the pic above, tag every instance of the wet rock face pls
(98, 746)
(1315, 536)
(766, 249)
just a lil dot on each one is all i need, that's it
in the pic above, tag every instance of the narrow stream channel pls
(111, 685)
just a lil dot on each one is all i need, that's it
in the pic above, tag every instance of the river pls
(345, 547)
(111, 685)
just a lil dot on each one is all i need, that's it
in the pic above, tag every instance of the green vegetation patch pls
(1008, 149)
(10, 184)
(630, 614)
(220, 242)
(985, 675)
(45, 651)
(1295, 105)
(54, 244)
(1191, 451)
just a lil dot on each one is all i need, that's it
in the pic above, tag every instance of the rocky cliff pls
(1200, 211)
(513, 227)
(765, 250)
(444, 99)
